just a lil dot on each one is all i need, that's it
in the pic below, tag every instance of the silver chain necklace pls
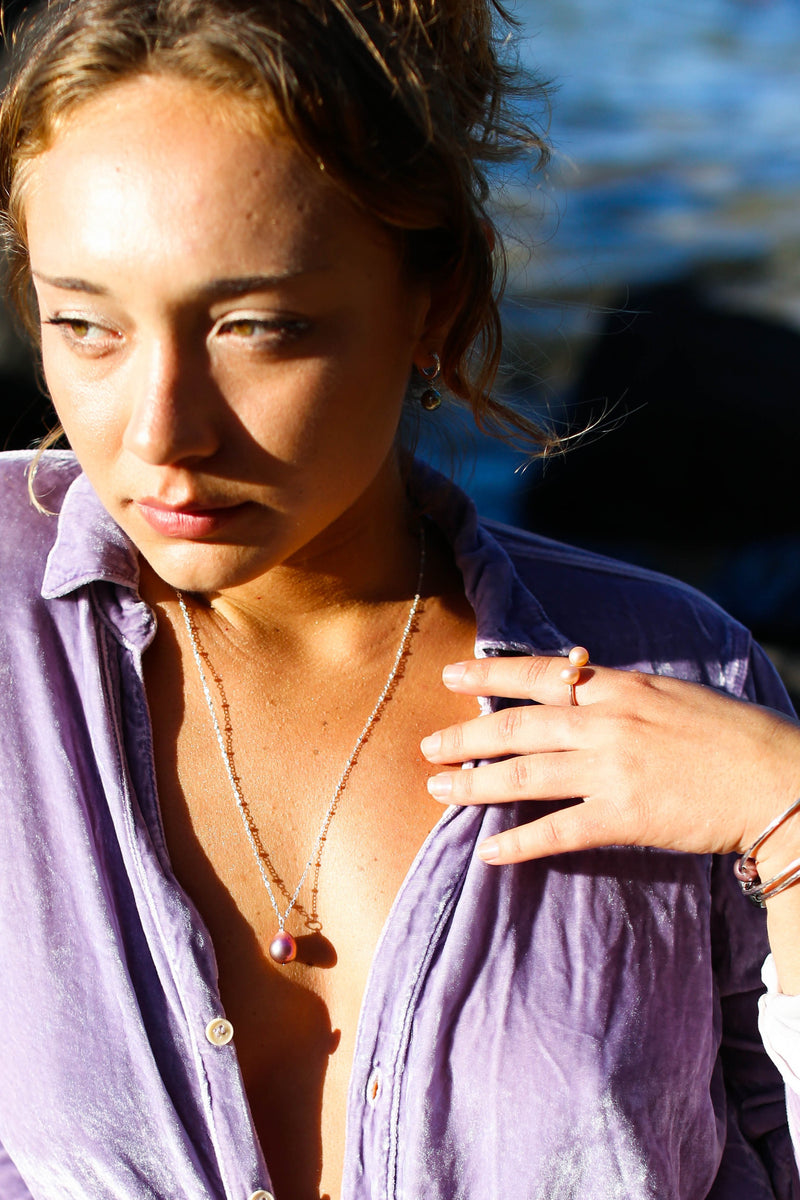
(283, 948)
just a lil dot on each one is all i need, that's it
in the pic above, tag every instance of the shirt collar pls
(509, 618)
(89, 546)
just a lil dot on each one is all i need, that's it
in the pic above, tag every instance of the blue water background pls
(676, 135)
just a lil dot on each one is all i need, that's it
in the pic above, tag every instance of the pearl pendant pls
(282, 948)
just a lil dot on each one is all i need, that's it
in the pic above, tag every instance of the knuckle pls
(550, 835)
(453, 740)
(633, 692)
(464, 784)
(481, 668)
(509, 724)
(623, 730)
(641, 681)
(533, 671)
(514, 847)
(518, 774)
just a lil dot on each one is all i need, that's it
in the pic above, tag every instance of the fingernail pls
(454, 672)
(430, 746)
(440, 786)
(488, 851)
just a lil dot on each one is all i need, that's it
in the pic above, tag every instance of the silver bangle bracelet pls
(760, 892)
(746, 868)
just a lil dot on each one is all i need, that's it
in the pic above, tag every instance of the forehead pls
(161, 167)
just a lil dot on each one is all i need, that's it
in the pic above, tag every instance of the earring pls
(431, 398)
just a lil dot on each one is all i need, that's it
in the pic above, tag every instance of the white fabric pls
(779, 1025)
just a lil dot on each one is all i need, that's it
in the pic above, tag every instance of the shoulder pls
(28, 532)
(54, 472)
(543, 559)
(627, 615)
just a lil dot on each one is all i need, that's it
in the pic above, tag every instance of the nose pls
(172, 415)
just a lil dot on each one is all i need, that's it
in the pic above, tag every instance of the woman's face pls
(226, 340)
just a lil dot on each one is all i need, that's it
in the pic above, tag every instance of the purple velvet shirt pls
(582, 1028)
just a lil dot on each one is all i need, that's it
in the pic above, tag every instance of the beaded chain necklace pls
(283, 947)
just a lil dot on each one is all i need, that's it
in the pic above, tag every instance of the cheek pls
(312, 409)
(87, 413)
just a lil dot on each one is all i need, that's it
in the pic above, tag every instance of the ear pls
(437, 323)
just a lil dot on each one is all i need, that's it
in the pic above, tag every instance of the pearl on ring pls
(578, 657)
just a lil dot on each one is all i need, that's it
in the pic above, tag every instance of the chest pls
(557, 997)
(332, 821)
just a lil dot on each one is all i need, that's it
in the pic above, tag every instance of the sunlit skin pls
(228, 343)
(216, 359)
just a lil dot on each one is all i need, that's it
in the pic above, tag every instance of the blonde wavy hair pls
(423, 99)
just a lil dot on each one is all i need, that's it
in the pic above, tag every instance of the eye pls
(84, 334)
(269, 332)
(244, 327)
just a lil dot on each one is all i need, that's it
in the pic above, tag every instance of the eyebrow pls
(68, 284)
(215, 289)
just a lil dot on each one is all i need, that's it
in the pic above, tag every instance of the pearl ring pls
(578, 657)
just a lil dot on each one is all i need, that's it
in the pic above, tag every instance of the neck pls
(367, 560)
(370, 565)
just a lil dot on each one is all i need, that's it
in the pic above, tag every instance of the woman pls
(232, 920)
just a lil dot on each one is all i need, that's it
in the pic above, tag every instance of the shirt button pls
(219, 1032)
(262, 1196)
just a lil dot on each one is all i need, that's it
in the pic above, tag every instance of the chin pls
(203, 569)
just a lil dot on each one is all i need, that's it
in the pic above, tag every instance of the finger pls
(536, 678)
(582, 827)
(556, 776)
(523, 729)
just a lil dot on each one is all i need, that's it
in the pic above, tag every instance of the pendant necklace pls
(283, 947)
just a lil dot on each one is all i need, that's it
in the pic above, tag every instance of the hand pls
(657, 761)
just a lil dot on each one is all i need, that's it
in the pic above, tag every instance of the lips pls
(190, 520)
